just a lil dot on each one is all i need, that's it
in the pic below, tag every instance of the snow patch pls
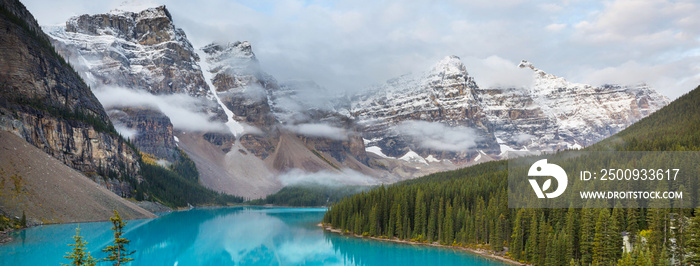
(236, 128)
(432, 159)
(378, 151)
(413, 157)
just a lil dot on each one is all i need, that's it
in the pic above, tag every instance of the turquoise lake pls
(229, 236)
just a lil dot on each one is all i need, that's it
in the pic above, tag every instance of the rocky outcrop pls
(243, 88)
(139, 51)
(446, 95)
(154, 131)
(46, 103)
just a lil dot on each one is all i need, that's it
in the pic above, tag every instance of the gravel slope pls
(48, 191)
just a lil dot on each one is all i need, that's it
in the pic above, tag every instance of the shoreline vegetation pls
(477, 251)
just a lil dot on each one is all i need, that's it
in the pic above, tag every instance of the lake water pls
(229, 236)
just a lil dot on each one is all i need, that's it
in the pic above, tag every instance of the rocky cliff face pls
(242, 88)
(140, 51)
(444, 95)
(136, 50)
(154, 129)
(45, 102)
(301, 104)
(270, 117)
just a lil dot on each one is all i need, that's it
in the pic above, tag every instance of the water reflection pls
(227, 236)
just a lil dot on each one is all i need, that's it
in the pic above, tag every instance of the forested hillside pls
(468, 207)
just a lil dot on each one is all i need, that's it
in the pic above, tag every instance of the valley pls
(231, 139)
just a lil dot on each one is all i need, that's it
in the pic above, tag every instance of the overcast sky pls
(350, 44)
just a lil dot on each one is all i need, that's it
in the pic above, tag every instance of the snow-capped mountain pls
(137, 54)
(279, 121)
(551, 114)
(134, 49)
(570, 115)
(445, 93)
(443, 97)
(257, 130)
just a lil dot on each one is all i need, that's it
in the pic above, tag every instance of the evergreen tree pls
(399, 228)
(497, 239)
(601, 239)
(432, 223)
(693, 243)
(441, 220)
(587, 235)
(373, 224)
(632, 223)
(118, 253)
(658, 233)
(79, 256)
(543, 238)
(614, 241)
(531, 246)
(518, 238)
(572, 231)
(419, 216)
(448, 227)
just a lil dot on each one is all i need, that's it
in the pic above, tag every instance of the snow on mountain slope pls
(407, 127)
(236, 128)
(132, 49)
(445, 93)
(140, 60)
(550, 114)
(444, 96)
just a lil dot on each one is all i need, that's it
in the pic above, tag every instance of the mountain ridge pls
(408, 127)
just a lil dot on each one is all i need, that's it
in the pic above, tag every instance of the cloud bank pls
(319, 130)
(438, 136)
(180, 108)
(327, 178)
(347, 45)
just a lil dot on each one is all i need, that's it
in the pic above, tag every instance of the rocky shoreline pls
(480, 252)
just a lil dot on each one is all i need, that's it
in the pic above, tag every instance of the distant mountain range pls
(250, 135)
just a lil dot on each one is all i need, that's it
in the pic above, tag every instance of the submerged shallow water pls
(229, 236)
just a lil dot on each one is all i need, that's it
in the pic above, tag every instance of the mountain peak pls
(526, 64)
(142, 12)
(141, 8)
(148, 26)
(541, 74)
(240, 50)
(450, 65)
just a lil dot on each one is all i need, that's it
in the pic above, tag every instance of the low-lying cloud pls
(125, 131)
(326, 178)
(523, 138)
(180, 108)
(438, 136)
(319, 130)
